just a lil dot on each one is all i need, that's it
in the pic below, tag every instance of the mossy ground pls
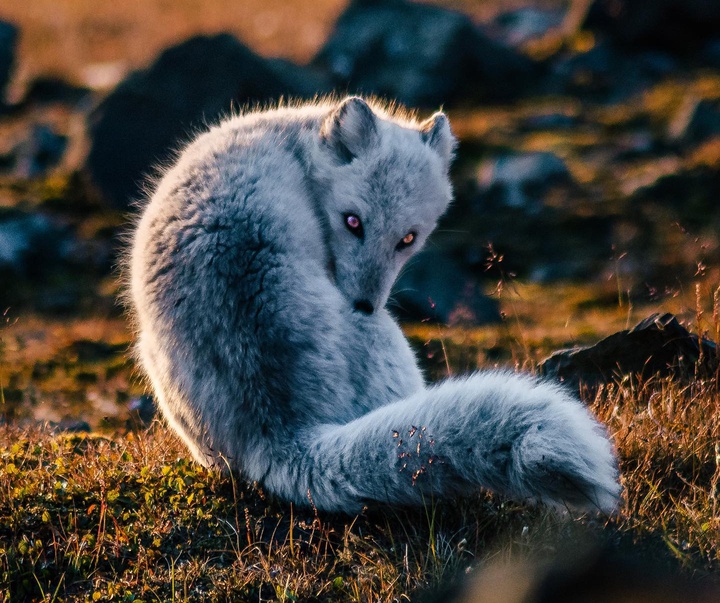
(125, 515)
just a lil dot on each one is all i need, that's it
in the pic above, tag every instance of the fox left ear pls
(437, 135)
(350, 130)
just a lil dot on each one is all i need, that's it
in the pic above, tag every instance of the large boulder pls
(674, 25)
(8, 37)
(419, 54)
(153, 111)
(656, 345)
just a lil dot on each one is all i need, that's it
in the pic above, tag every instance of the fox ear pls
(350, 129)
(437, 135)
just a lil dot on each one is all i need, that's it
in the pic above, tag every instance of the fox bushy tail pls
(511, 434)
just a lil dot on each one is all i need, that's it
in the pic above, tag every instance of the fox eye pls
(406, 241)
(354, 225)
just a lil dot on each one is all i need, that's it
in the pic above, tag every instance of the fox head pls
(385, 182)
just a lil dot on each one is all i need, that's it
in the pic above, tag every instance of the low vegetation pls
(128, 517)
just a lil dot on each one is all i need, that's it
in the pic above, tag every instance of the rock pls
(521, 181)
(60, 300)
(524, 24)
(696, 121)
(70, 425)
(36, 264)
(88, 350)
(711, 53)
(606, 72)
(692, 194)
(680, 26)
(42, 151)
(29, 243)
(435, 288)
(656, 345)
(140, 123)
(419, 54)
(8, 38)
(51, 89)
(554, 120)
(304, 82)
(562, 236)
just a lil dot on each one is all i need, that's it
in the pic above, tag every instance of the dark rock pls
(30, 243)
(550, 121)
(635, 144)
(692, 194)
(42, 151)
(44, 264)
(87, 350)
(562, 237)
(7, 161)
(50, 89)
(680, 26)
(8, 37)
(60, 300)
(70, 425)
(711, 53)
(151, 112)
(606, 72)
(86, 377)
(521, 180)
(44, 370)
(435, 288)
(656, 345)
(696, 121)
(419, 54)
(525, 24)
(302, 81)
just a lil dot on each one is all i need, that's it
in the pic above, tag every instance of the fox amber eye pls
(354, 225)
(406, 241)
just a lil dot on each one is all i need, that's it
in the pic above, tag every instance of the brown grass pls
(128, 517)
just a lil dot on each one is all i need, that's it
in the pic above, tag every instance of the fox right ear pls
(436, 133)
(351, 129)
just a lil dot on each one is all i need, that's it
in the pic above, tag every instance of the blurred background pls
(587, 180)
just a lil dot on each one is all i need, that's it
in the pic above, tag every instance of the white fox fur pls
(262, 324)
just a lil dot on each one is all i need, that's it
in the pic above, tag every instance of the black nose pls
(364, 306)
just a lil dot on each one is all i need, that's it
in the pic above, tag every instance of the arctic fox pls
(259, 273)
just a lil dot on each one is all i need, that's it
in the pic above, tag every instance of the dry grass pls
(128, 517)
(667, 434)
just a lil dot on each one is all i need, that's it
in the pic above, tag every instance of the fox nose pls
(364, 306)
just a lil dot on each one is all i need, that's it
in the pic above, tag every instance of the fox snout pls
(363, 306)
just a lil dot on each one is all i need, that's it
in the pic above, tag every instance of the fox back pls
(262, 264)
